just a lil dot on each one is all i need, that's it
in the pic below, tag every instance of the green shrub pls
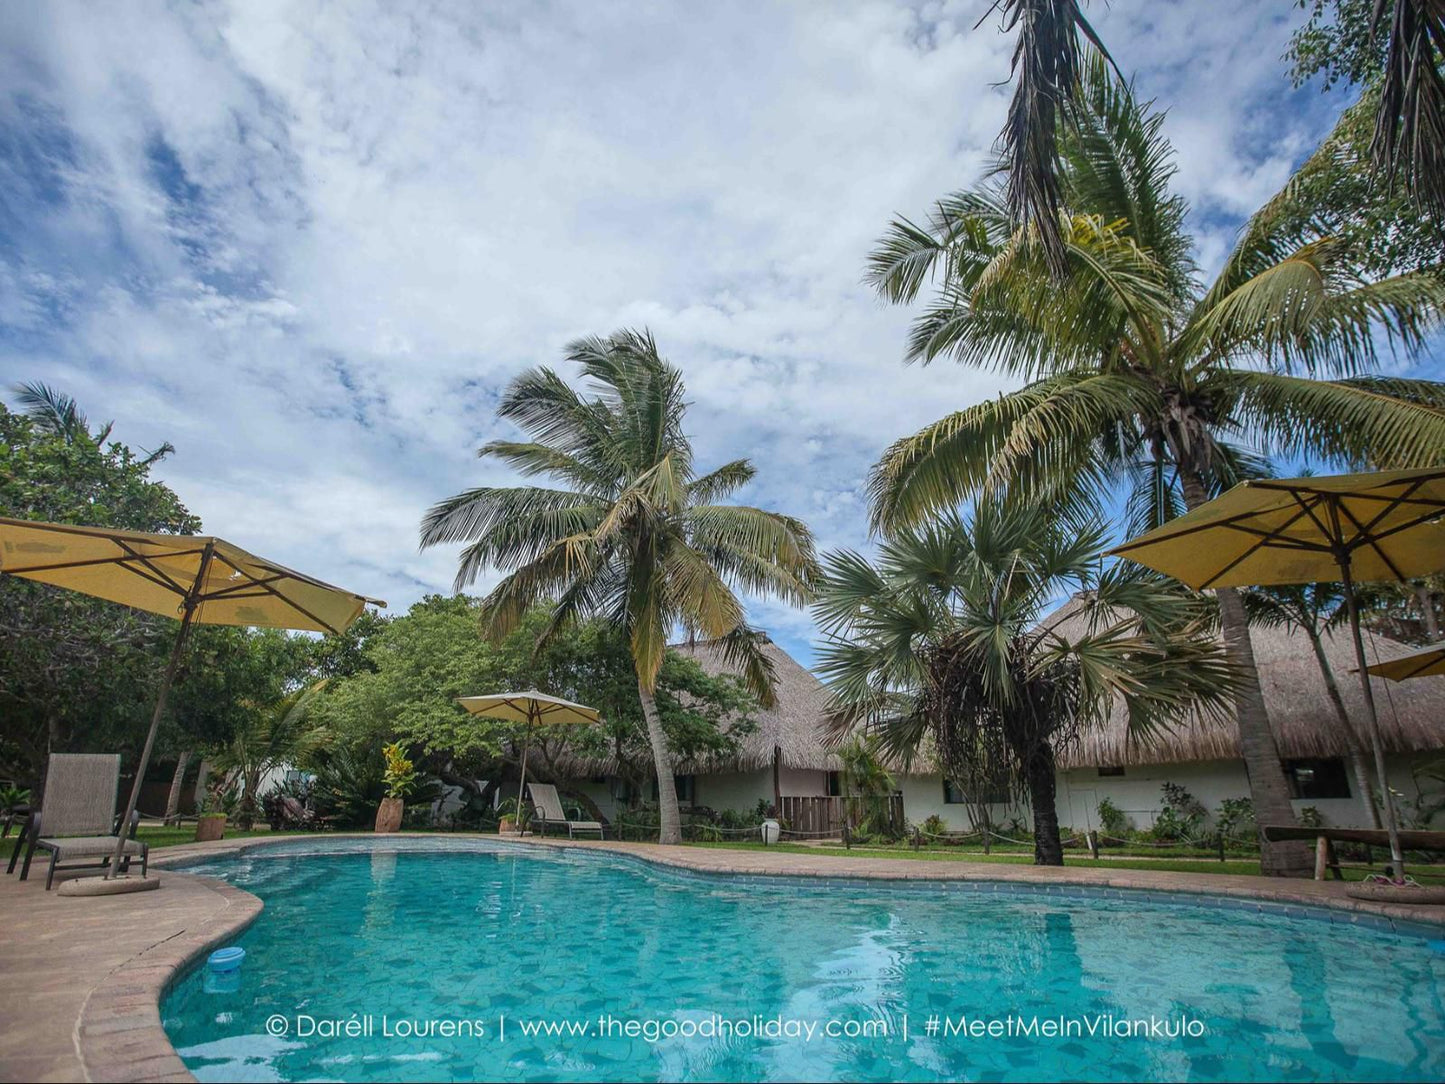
(1113, 820)
(934, 826)
(1311, 817)
(1235, 820)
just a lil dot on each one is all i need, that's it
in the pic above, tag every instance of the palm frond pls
(1409, 139)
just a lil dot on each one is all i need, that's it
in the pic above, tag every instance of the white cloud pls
(309, 243)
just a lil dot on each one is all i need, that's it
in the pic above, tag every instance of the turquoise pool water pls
(438, 959)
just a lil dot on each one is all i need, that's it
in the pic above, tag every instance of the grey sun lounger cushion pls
(549, 811)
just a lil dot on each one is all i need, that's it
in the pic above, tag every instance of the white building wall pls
(1139, 794)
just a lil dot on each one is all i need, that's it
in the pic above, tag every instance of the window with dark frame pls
(953, 794)
(1317, 777)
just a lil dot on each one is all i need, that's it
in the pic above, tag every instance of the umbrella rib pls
(266, 586)
(175, 585)
(1264, 540)
(234, 592)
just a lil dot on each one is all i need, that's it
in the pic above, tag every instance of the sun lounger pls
(550, 812)
(76, 822)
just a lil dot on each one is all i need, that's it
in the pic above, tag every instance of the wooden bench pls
(1326, 838)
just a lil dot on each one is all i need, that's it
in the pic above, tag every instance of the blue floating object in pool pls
(227, 959)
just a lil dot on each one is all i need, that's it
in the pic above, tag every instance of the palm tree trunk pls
(1048, 847)
(670, 829)
(173, 799)
(1268, 790)
(1359, 758)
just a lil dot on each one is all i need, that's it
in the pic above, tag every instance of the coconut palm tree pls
(1134, 372)
(1051, 44)
(946, 643)
(1314, 609)
(635, 535)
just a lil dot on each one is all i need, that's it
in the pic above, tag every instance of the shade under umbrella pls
(531, 708)
(1381, 526)
(196, 578)
(1427, 663)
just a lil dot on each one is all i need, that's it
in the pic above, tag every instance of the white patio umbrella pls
(533, 709)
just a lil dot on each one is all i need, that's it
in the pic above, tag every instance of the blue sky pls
(309, 243)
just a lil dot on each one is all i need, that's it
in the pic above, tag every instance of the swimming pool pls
(473, 960)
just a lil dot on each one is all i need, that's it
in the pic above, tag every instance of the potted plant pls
(400, 779)
(211, 812)
(509, 816)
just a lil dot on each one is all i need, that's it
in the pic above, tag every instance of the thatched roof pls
(795, 724)
(1411, 713)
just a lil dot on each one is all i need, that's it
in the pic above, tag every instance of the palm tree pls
(1134, 372)
(634, 536)
(274, 735)
(60, 415)
(1409, 134)
(1315, 609)
(1047, 63)
(1051, 44)
(945, 643)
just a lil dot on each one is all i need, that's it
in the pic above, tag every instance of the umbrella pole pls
(1397, 857)
(522, 783)
(145, 756)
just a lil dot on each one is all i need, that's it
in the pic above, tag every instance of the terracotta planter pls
(210, 827)
(507, 824)
(388, 814)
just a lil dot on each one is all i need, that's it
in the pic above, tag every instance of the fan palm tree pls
(1314, 609)
(945, 644)
(1134, 372)
(635, 535)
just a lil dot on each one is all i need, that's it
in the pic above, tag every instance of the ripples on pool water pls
(476, 932)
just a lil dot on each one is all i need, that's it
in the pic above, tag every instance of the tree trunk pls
(1359, 757)
(1268, 790)
(671, 821)
(173, 799)
(1048, 847)
(1427, 611)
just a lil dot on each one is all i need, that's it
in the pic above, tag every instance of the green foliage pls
(868, 786)
(1181, 818)
(268, 737)
(1335, 43)
(934, 825)
(414, 667)
(1235, 820)
(350, 784)
(1112, 820)
(1311, 817)
(12, 797)
(400, 774)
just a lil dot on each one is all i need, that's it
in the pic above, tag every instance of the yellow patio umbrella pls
(1429, 662)
(532, 709)
(1385, 525)
(195, 578)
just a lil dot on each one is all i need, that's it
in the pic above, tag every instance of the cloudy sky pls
(309, 243)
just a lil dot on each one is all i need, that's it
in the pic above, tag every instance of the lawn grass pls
(157, 837)
(1018, 858)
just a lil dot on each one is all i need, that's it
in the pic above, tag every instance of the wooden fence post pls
(1093, 839)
